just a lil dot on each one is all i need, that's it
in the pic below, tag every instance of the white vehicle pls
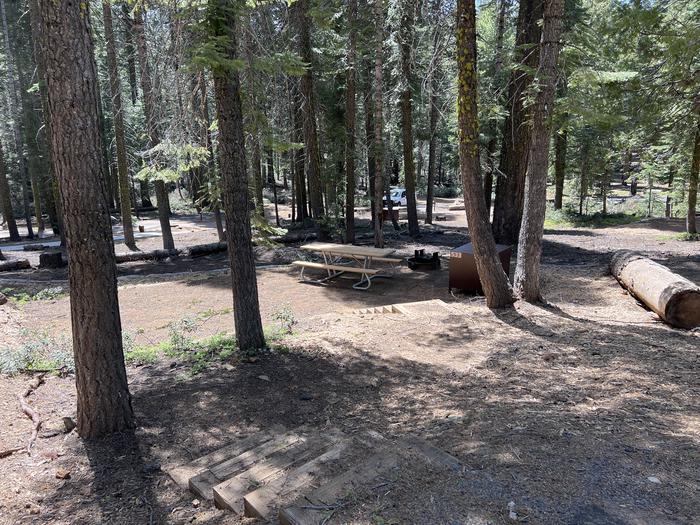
(398, 197)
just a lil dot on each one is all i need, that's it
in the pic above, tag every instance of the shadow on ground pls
(574, 421)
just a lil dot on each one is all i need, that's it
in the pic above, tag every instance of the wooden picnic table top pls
(348, 249)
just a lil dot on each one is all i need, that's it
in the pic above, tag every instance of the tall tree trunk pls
(378, 124)
(406, 45)
(129, 50)
(272, 180)
(527, 272)
(691, 225)
(503, 6)
(118, 119)
(296, 157)
(583, 177)
(49, 184)
(494, 281)
(350, 119)
(104, 403)
(14, 111)
(432, 151)
(560, 143)
(6, 201)
(29, 104)
(232, 160)
(508, 204)
(149, 108)
(311, 148)
(369, 144)
(256, 164)
(433, 98)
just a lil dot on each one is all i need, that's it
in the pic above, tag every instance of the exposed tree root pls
(30, 412)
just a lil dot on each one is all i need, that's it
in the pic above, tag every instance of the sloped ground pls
(582, 411)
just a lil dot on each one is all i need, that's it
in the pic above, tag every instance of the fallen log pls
(18, 264)
(674, 298)
(205, 249)
(151, 255)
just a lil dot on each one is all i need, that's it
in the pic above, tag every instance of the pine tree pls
(378, 118)
(350, 121)
(406, 46)
(149, 109)
(527, 278)
(234, 178)
(118, 119)
(103, 400)
(494, 281)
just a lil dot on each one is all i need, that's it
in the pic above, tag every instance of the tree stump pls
(10, 266)
(674, 298)
(53, 259)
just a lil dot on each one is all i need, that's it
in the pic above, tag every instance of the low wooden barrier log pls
(10, 266)
(205, 249)
(674, 298)
(151, 255)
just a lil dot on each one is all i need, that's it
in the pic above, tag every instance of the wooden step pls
(229, 494)
(314, 509)
(262, 502)
(182, 474)
(202, 484)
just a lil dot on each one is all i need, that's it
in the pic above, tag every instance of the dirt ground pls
(584, 410)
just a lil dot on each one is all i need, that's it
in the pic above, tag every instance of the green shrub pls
(39, 351)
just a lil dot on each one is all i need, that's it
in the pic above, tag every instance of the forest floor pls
(583, 410)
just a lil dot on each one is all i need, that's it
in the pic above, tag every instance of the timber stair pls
(415, 309)
(300, 476)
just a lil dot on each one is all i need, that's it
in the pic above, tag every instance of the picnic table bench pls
(346, 258)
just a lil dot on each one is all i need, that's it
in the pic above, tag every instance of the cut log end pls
(684, 309)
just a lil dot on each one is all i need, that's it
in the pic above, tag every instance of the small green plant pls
(179, 332)
(39, 352)
(21, 298)
(285, 319)
(140, 354)
(685, 236)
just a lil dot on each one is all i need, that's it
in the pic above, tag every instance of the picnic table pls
(347, 258)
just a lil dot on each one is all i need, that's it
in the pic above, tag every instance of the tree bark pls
(246, 309)
(494, 281)
(149, 108)
(14, 110)
(508, 204)
(6, 201)
(129, 50)
(691, 225)
(118, 119)
(23, 51)
(560, 143)
(583, 177)
(350, 120)
(406, 46)
(378, 125)
(527, 272)
(311, 148)
(49, 179)
(369, 144)
(103, 399)
(490, 173)
(297, 155)
(256, 163)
